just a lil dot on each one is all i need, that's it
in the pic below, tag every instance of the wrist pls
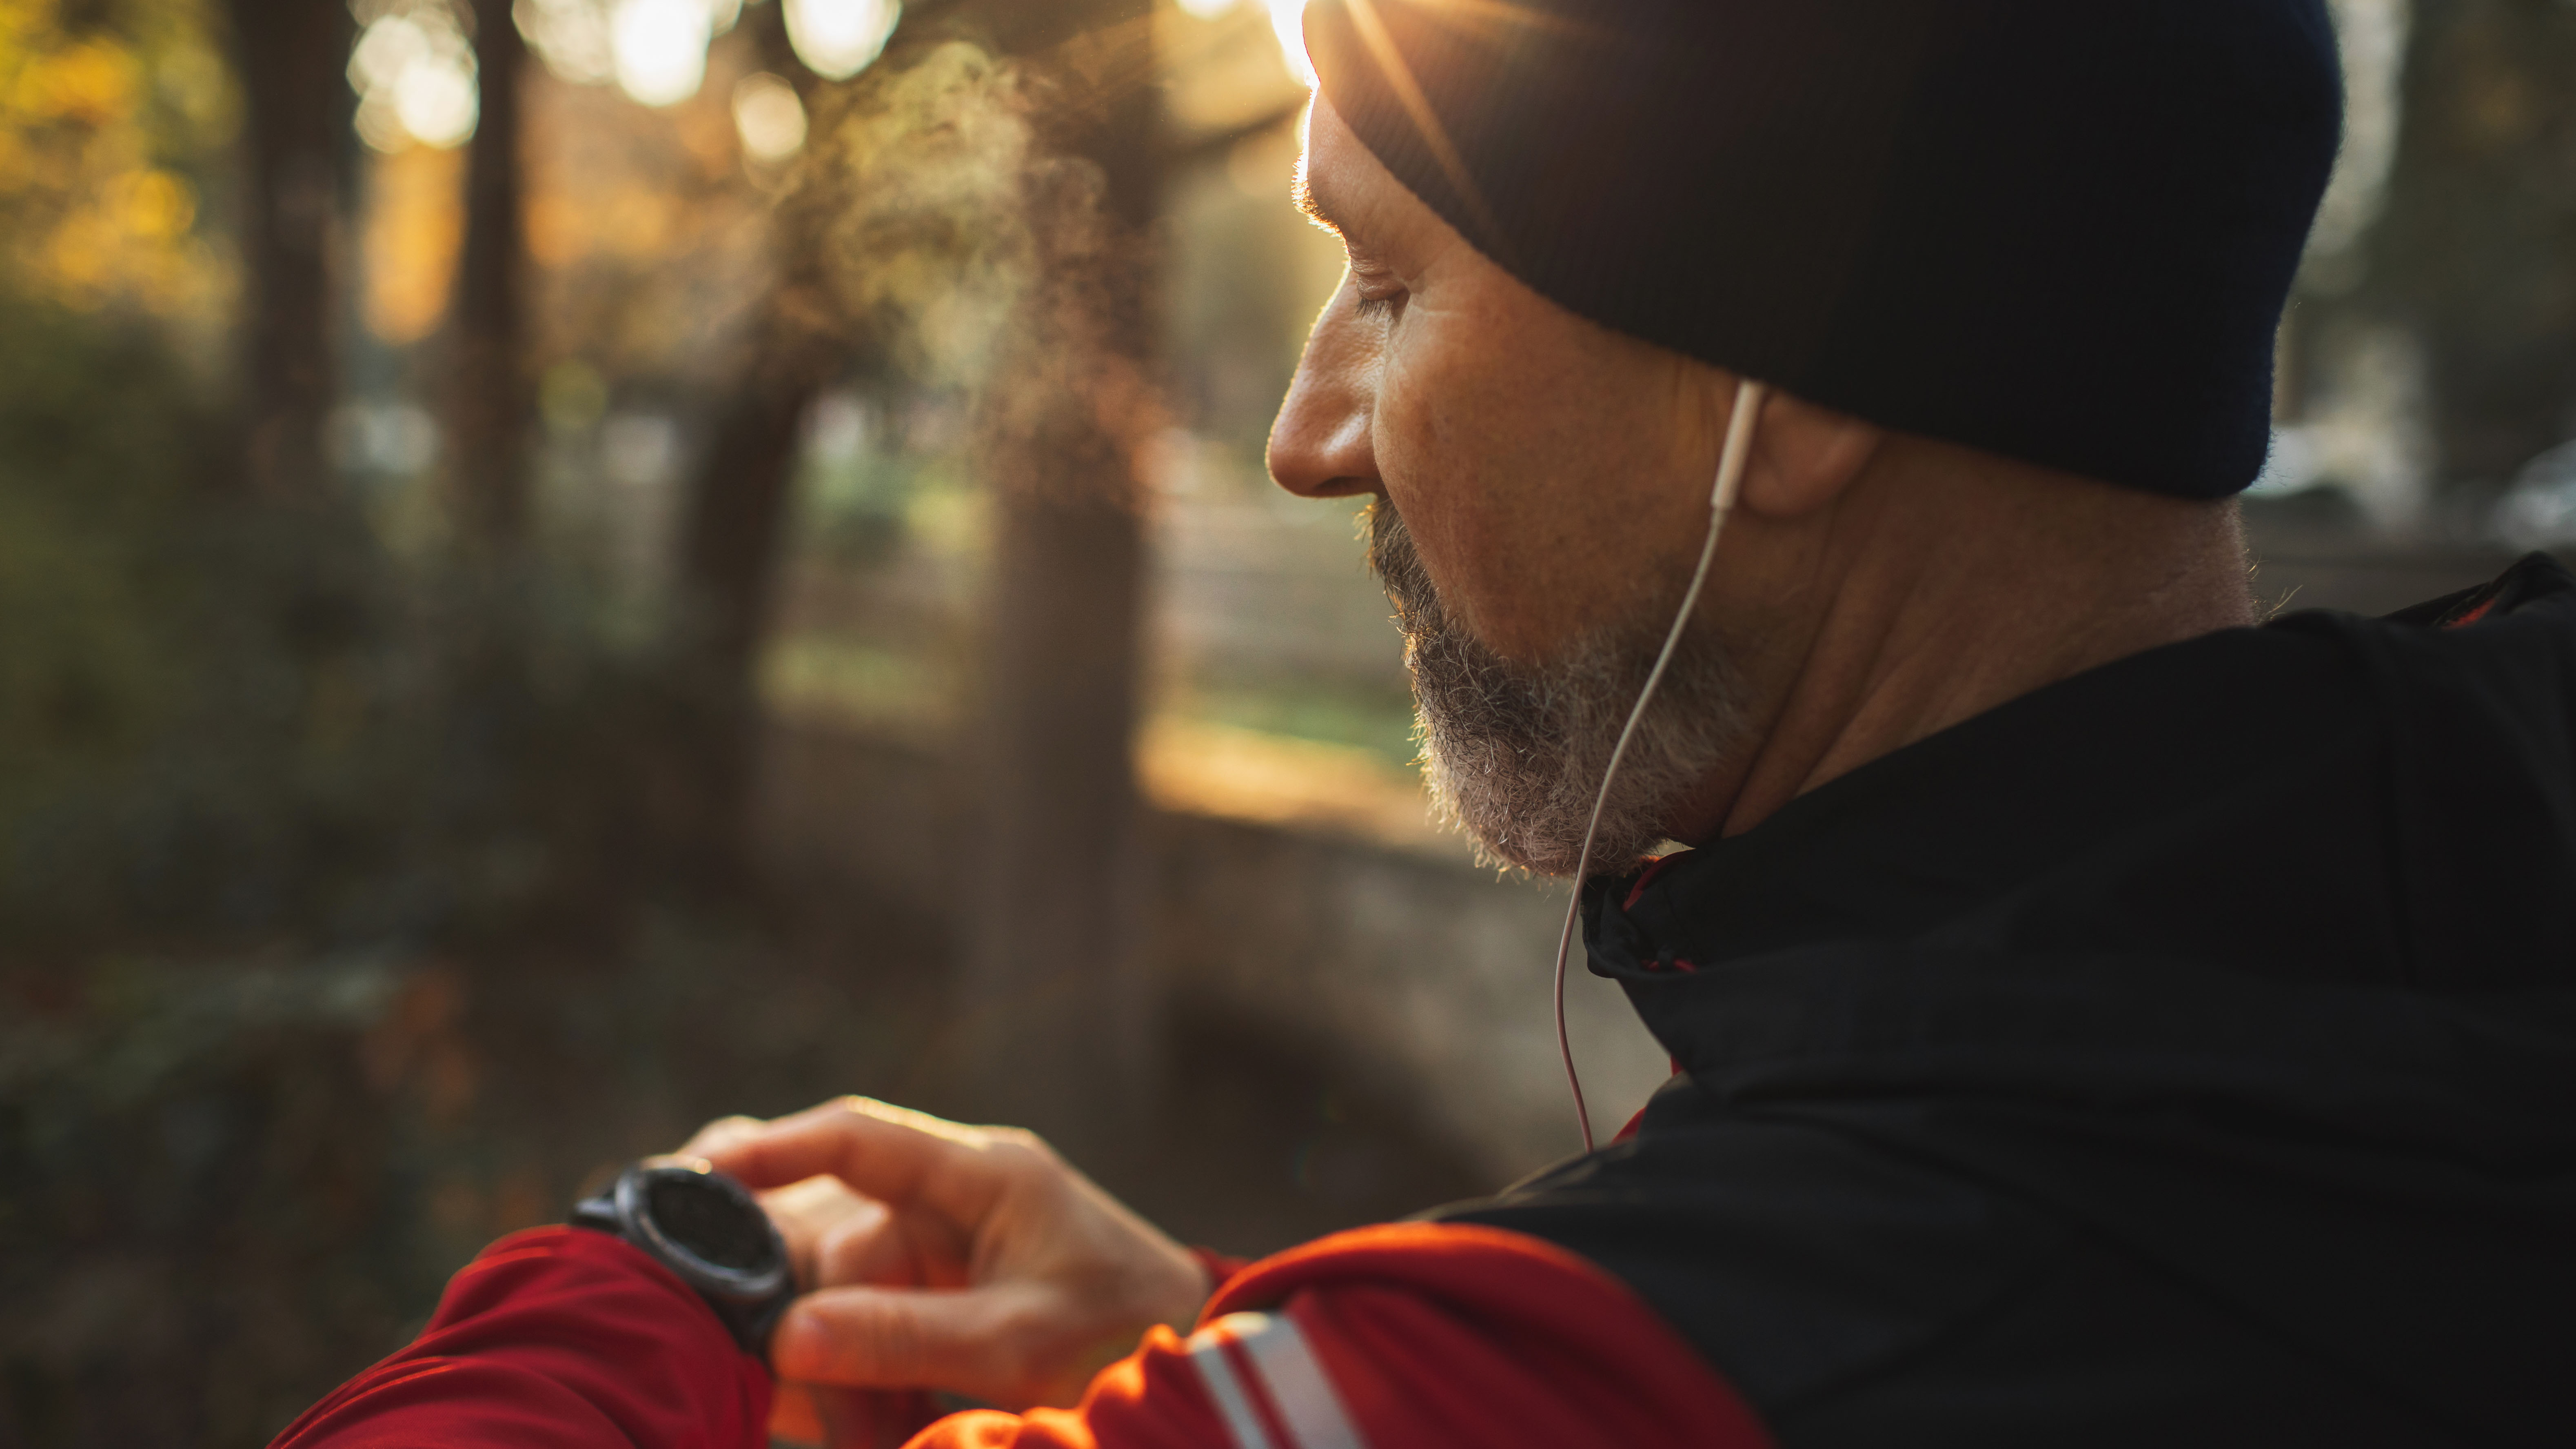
(710, 1233)
(1214, 1269)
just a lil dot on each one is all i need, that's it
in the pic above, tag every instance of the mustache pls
(1397, 564)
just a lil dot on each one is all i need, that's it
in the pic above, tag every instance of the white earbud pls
(1721, 501)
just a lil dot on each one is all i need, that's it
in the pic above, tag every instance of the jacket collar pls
(2303, 799)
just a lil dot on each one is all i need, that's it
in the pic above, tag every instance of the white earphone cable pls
(1721, 501)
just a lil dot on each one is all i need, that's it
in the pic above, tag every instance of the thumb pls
(905, 1338)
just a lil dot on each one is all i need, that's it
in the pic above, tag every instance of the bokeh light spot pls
(437, 103)
(837, 38)
(571, 36)
(413, 70)
(660, 48)
(768, 117)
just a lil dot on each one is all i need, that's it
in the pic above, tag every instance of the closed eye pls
(1378, 288)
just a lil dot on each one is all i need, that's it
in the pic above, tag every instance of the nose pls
(1320, 446)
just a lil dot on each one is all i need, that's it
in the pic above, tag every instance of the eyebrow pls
(1313, 205)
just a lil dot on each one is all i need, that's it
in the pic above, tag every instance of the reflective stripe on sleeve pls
(1207, 1352)
(1271, 1348)
(1298, 1386)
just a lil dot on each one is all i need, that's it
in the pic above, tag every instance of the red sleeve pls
(1414, 1334)
(561, 1338)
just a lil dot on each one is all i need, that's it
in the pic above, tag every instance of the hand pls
(821, 1221)
(967, 1259)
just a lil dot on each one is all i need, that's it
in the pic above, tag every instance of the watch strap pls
(749, 1321)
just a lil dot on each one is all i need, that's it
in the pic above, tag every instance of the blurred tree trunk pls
(292, 57)
(490, 403)
(496, 732)
(732, 527)
(1064, 1030)
(733, 521)
(2476, 253)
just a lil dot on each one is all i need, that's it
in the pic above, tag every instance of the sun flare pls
(1288, 18)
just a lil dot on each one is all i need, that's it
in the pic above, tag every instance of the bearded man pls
(2097, 1018)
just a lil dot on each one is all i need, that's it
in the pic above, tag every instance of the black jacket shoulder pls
(2183, 1053)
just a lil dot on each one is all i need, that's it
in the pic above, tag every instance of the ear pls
(1804, 456)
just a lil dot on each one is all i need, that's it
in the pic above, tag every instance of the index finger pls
(893, 1154)
(712, 1137)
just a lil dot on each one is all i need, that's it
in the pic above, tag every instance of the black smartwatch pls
(706, 1227)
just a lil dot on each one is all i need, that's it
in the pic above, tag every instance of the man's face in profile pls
(1540, 492)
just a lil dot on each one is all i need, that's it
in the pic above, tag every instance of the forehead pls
(1346, 188)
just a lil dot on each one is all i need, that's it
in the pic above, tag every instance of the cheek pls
(1440, 471)
(1527, 468)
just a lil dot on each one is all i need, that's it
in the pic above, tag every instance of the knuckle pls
(842, 1255)
(1020, 1148)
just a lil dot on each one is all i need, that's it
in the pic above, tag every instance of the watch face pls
(711, 1223)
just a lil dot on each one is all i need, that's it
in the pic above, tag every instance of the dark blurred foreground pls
(242, 1180)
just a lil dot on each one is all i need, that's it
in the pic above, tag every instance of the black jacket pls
(2182, 1054)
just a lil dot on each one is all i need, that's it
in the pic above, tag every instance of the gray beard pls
(1514, 754)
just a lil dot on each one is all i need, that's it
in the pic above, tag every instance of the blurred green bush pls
(184, 707)
(252, 769)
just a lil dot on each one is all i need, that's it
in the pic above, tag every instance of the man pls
(2097, 1020)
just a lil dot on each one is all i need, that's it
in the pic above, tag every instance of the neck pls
(1941, 584)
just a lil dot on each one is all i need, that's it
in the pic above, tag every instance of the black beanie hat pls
(2061, 230)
